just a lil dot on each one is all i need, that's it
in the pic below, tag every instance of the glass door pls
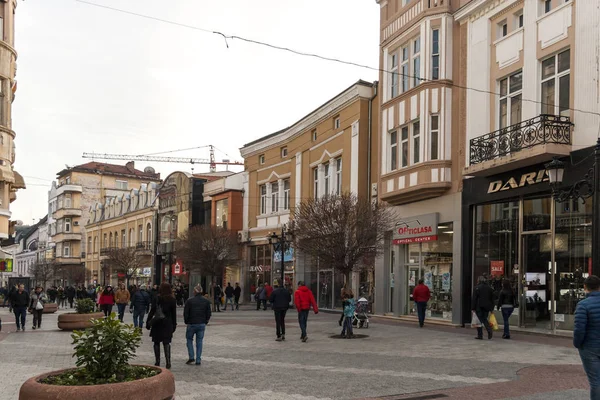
(536, 279)
(326, 289)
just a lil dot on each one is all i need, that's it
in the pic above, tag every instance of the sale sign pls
(497, 268)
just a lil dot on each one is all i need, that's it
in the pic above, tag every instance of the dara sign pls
(529, 178)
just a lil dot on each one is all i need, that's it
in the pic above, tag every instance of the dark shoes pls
(198, 362)
(505, 336)
(278, 339)
(190, 362)
(305, 338)
(283, 338)
(490, 335)
(479, 337)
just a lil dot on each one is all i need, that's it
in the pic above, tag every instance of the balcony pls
(63, 260)
(144, 247)
(526, 143)
(66, 237)
(66, 212)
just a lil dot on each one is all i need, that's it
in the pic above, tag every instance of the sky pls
(95, 80)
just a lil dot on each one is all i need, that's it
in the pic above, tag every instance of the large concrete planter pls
(159, 387)
(50, 308)
(71, 321)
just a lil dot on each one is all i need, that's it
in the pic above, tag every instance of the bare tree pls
(43, 272)
(124, 260)
(207, 249)
(72, 274)
(341, 231)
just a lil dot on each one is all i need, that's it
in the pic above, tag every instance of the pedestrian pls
(237, 292)
(280, 301)
(179, 295)
(107, 300)
(36, 306)
(229, 296)
(586, 333)
(217, 297)
(421, 296)
(268, 291)
(11, 292)
(257, 295)
(343, 295)
(52, 294)
(62, 297)
(140, 305)
(71, 292)
(304, 300)
(506, 303)
(196, 314)
(161, 330)
(19, 303)
(482, 305)
(122, 298)
(349, 307)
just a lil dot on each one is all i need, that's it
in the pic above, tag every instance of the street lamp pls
(585, 188)
(281, 243)
(172, 218)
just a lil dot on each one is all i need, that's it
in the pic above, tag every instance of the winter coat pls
(162, 331)
(229, 291)
(107, 299)
(122, 296)
(586, 334)
(262, 293)
(349, 308)
(506, 297)
(196, 310)
(217, 292)
(141, 301)
(280, 299)
(304, 299)
(35, 298)
(19, 299)
(71, 292)
(269, 290)
(237, 292)
(421, 293)
(483, 298)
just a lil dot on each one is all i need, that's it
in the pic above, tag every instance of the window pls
(284, 152)
(434, 137)
(416, 61)
(68, 180)
(336, 123)
(95, 248)
(121, 185)
(110, 240)
(274, 197)
(405, 2)
(286, 194)
(263, 199)
(327, 178)
(261, 159)
(393, 151)
(338, 176)
(105, 243)
(435, 54)
(314, 135)
(556, 84)
(140, 233)
(416, 142)
(404, 69)
(89, 244)
(547, 6)
(123, 239)
(66, 250)
(316, 182)
(510, 100)
(394, 71)
(68, 200)
(67, 224)
(149, 233)
(502, 29)
(222, 208)
(519, 19)
(404, 147)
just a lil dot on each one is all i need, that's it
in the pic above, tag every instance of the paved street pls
(242, 360)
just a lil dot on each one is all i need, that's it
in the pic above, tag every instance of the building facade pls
(72, 198)
(125, 221)
(420, 153)
(536, 62)
(326, 152)
(10, 180)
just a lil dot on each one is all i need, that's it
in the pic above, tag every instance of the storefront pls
(514, 230)
(259, 268)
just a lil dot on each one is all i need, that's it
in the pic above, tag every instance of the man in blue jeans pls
(196, 315)
(586, 334)
(140, 303)
(19, 302)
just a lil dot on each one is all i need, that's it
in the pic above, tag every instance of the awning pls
(19, 181)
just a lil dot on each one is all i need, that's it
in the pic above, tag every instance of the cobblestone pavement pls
(397, 360)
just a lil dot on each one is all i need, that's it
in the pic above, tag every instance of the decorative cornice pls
(274, 165)
(475, 10)
(507, 9)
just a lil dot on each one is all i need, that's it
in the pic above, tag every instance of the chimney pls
(130, 166)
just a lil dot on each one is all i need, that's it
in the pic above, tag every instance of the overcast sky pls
(95, 80)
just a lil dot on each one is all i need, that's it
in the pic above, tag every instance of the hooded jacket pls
(304, 299)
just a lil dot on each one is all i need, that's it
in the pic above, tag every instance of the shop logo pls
(256, 268)
(530, 178)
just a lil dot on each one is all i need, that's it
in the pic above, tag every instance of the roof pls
(359, 82)
(33, 228)
(213, 176)
(111, 169)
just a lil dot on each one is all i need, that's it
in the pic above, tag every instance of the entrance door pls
(415, 272)
(326, 289)
(536, 283)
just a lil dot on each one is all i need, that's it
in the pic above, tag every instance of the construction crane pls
(151, 157)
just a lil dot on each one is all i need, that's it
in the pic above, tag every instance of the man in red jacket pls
(304, 299)
(421, 296)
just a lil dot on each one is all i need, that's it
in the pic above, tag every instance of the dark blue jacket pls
(587, 322)
(141, 301)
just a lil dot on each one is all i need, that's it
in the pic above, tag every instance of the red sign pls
(419, 239)
(178, 268)
(497, 268)
(120, 275)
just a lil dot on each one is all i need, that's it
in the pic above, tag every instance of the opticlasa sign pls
(530, 178)
(417, 229)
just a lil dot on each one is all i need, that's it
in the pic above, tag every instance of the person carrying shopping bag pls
(482, 304)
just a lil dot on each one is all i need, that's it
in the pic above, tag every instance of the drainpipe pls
(375, 83)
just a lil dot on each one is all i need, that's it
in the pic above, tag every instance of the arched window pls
(140, 233)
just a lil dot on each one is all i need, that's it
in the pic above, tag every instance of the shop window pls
(536, 214)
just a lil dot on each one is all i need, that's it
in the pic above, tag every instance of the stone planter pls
(50, 308)
(71, 321)
(159, 387)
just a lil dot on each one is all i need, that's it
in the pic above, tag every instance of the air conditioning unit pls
(243, 236)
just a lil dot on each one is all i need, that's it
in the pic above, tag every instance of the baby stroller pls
(361, 318)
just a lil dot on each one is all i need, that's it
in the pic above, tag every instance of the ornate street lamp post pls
(583, 189)
(281, 243)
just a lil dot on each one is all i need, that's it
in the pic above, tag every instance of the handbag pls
(159, 315)
(39, 305)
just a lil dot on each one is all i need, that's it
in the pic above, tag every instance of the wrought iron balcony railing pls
(543, 129)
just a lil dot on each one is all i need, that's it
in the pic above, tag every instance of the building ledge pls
(416, 193)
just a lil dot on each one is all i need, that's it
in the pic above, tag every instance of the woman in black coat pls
(162, 331)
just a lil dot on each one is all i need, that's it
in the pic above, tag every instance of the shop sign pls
(418, 229)
(6, 265)
(259, 268)
(146, 271)
(497, 268)
(178, 268)
(288, 255)
(529, 178)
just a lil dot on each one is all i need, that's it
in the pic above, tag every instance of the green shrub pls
(85, 306)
